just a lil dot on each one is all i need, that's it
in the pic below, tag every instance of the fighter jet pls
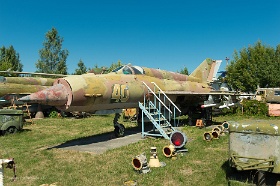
(124, 88)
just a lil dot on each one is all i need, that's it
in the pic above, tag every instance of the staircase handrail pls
(157, 97)
(170, 101)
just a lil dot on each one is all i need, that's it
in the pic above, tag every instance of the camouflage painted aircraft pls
(123, 88)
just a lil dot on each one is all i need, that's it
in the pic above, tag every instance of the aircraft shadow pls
(105, 137)
(106, 140)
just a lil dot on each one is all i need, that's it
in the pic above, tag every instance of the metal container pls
(255, 145)
(10, 120)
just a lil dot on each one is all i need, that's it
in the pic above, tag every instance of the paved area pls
(98, 144)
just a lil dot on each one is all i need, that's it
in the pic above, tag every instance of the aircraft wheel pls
(119, 130)
(10, 130)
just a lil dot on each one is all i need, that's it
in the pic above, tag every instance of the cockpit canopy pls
(157, 73)
(128, 69)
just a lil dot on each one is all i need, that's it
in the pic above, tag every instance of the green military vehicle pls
(255, 145)
(269, 95)
(272, 98)
(11, 120)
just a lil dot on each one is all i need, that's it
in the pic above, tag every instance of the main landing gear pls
(119, 128)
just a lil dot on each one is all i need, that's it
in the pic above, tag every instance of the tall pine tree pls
(52, 56)
(82, 69)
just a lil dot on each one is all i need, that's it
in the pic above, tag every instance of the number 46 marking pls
(120, 93)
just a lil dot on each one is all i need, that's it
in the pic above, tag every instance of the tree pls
(52, 57)
(254, 66)
(9, 59)
(184, 71)
(275, 72)
(98, 70)
(82, 69)
(104, 69)
(115, 65)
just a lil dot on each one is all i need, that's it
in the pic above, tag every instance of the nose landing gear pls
(119, 128)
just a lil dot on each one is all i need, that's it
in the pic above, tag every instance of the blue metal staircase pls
(160, 112)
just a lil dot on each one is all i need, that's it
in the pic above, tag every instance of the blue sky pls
(163, 34)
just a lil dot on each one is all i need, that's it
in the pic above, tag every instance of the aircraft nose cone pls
(54, 96)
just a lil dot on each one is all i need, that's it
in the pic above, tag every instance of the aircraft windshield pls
(117, 69)
(129, 70)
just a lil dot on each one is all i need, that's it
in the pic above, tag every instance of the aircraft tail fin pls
(207, 70)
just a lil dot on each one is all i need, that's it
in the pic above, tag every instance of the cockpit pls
(128, 69)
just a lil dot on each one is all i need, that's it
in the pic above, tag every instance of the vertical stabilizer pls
(216, 68)
(207, 70)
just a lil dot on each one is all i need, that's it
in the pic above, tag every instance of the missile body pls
(23, 85)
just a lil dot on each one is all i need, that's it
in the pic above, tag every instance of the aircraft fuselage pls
(113, 91)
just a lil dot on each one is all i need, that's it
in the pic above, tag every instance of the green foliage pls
(102, 70)
(115, 65)
(105, 70)
(248, 108)
(253, 66)
(82, 69)
(98, 70)
(254, 108)
(184, 71)
(9, 59)
(52, 57)
(53, 114)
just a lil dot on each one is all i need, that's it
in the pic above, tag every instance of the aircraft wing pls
(220, 99)
(198, 93)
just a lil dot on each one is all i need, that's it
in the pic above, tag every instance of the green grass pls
(38, 163)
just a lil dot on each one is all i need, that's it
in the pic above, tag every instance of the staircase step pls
(149, 107)
(161, 119)
(165, 126)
